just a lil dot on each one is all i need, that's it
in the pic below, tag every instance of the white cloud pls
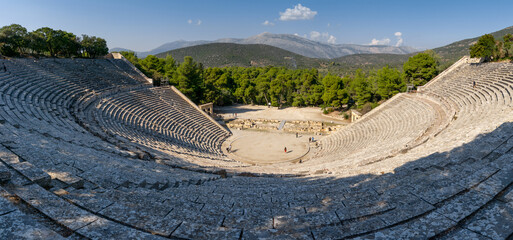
(268, 23)
(299, 12)
(314, 35)
(323, 37)
(399, 36)
(332, 39)
(384, 41)
(191, 22)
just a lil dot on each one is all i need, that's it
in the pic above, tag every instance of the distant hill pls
(243, 55)
(246, 55)
(367, 62)
(289, 42)
(456, 50)
(314, 49)
(118, 49)
(448, 55)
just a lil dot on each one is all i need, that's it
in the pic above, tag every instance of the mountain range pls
(238, 52)
(289, 42)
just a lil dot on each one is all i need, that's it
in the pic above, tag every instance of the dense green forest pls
(282, 86)
(16, 41)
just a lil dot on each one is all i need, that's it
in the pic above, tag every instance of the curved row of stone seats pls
(457, 104)
(27, 94)
(411, 202)
(400, 124)
(74, 165)
(479, 106)
(41, 214)
(126, 69)
(457, 192)
(56, 152)
(77, 167)
(47, 93)
(157, 114)
(15, 224)
(50, 95)
(98, 171)
(167, 149)
(33, 104)
(476, 110)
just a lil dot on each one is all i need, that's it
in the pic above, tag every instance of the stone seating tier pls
(452, 181)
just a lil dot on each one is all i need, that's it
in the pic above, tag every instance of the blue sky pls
(144, 25)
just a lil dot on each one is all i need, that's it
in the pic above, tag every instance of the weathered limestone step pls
(5, 174)
(54, 207)
(463, 205)
(85, 198)
(63, 173)
(5, 206)
(36, 175)
(421, 228)
(494, 221)
(152, 219)
(106, 229)
(462, 233)
(15, 224)
(188, 230)
(28, 170)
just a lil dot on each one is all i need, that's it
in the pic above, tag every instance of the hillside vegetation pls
(242, 55)
(347, 65)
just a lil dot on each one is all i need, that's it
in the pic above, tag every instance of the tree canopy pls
(420, 68)
(485, 47)
(15, 40)
(281, 86)
(492, 49)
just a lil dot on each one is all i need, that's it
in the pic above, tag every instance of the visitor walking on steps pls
(474, 84)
